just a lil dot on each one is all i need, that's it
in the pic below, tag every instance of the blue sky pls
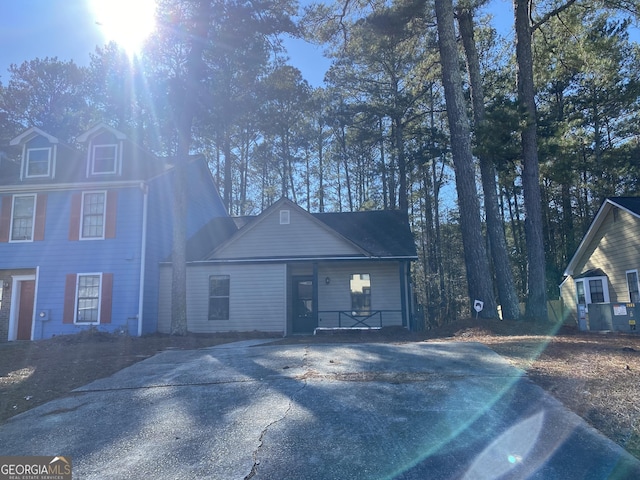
(67, 29)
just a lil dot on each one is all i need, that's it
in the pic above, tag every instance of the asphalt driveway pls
(362, 411)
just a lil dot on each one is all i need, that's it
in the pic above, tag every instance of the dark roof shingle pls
(630, 203)
(381, 233)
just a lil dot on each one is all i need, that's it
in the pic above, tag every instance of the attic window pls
(285, 217)
(38, 162)
(103, 159)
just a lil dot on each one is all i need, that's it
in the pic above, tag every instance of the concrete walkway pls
(364, 411)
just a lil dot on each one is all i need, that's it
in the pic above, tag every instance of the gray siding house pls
(288, 271)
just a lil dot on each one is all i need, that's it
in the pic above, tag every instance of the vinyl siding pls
(56, 256)
(336, 295)
(302, 237)
(159, 240)
(256, 299)
(204, 203)
(615, 249)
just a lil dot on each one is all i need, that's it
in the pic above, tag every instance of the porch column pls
(314, 292)
(403, 293)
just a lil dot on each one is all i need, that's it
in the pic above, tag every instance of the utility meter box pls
(624, 316)
(619, 317)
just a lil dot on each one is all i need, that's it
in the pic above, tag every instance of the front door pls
(25, 309)
(304, 318)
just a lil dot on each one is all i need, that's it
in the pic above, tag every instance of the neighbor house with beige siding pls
(289, 271)
(605, 267)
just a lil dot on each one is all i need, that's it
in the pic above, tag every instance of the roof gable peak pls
(31, 133)
(100, 128)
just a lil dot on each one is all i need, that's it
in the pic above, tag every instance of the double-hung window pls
(219, 297)
(38, 162)
(93, 215)
(596, 289)
(88, 298)
(104, 159)
(23, 218)
(592, 290)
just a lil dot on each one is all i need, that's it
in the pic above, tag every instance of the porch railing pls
(346, 319)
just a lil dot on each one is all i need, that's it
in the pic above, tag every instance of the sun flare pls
(125, 22)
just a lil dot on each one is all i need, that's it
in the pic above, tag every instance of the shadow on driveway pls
(362, 411)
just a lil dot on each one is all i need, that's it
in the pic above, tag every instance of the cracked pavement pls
(362, 411)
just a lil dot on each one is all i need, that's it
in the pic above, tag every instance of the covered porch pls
(336, 295)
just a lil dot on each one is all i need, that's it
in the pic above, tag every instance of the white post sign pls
(478, 305)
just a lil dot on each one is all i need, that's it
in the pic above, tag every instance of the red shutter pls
(69, 298)
(5, 218)
(107, 298)
(74, 220)
(110, 221)
(41, 212)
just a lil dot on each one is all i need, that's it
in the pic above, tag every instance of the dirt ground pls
(597, 375)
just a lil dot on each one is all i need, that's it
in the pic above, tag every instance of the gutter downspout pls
(143, 253)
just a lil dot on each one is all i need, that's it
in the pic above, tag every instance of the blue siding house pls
(83, 231)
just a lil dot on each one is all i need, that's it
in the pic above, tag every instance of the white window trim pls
(228, 297)
(104, 215)
(33, 218)
(92, 169)
(75, 304)
(587, 290)
(285, 217)
(634, 270)
(15, 303)
(26, 162)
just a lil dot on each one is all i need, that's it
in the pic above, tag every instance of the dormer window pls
(104, 159)
(39, 151)
(38, 162)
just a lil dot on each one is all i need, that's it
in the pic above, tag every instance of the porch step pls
(342, 329)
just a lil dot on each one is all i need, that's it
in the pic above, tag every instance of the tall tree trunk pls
(228, 178)
(518, 237)
(475, 255)
(495, 223)
(403, 201)
(567, 217)
(186, 111)
(536, 308)
(307, 182)
(383, 166)
(320, 171)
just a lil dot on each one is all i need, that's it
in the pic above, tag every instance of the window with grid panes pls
(93, 213)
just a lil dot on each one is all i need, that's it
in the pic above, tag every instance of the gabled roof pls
(381, 233)
(71, 167)
(100, 127)
(594, 272)
(31, 133)
(628, 204)
(376, 234)
(214, 233)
